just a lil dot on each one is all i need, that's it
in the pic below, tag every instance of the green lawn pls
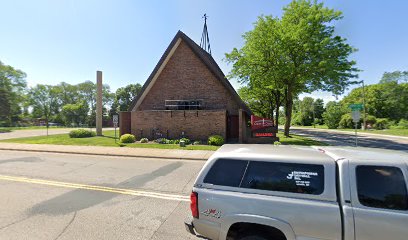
(299, 140)
(108, 140)
(4, 130)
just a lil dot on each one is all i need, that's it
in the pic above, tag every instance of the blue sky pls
(68, 40)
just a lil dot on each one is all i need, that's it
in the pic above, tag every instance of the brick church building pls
(187, 95)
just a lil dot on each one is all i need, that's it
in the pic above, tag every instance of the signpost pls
(115, 119)
(356, 106)
(356, 115)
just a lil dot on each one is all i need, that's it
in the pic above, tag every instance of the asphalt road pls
(348, 139)
(61, 196)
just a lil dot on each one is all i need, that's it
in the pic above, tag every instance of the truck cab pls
(373, 192)
(283, 192)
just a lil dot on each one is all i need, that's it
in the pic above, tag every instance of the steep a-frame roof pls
(205, 57)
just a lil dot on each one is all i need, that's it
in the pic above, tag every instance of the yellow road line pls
(165, 196)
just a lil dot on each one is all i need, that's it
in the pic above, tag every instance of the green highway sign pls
(356, 106)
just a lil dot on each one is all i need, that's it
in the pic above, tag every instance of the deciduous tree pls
(125, 95)
(12, 90)
(296, 53)
(43, 99)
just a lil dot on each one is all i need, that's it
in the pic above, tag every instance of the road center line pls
(124, 191)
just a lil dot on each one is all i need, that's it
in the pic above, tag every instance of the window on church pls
(184, 104)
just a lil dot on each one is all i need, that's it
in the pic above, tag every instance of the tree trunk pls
(288, 109)
(271, 107)
(277, 105)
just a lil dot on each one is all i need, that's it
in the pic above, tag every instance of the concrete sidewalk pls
(174, 154)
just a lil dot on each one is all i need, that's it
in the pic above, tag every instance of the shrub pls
(346, 121)
(370, 119)
(144, 140)
(403, 124)
(215, 140)
(81, 133)
(186, 140)
(173, 141)
(127, 138)
(197, 142)
(382, 123)
(162, 141)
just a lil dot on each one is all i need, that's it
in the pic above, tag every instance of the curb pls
(100, 154)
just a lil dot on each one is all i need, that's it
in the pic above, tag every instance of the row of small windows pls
(377, 186)
(183, 104)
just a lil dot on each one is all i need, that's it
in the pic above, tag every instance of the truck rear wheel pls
(253, 237)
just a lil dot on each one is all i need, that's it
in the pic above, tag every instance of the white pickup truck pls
(303, 193)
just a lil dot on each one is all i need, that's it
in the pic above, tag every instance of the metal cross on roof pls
(205, 40)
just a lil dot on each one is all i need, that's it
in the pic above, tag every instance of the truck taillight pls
(194, 204)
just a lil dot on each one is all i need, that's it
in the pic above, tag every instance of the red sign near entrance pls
(260, 123)
(262, 127)
(266, 134)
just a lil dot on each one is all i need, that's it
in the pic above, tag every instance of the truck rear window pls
(382, 187)
(285, 177)
(271, 176)
(226, 172)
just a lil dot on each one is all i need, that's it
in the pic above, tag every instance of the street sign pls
(355, 114)
(115, 119)
(356, 106)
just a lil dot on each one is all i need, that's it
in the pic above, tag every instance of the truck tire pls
(253, 237)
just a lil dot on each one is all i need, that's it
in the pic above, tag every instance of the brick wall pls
(124, 123)
(186, 77)
(196, 125)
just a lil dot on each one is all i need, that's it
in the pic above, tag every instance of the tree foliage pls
(296, 53)
(75, 114)
(260, 102)
(12, 89)
(384, 100)
(44, 100)
(125, 95)
(308, 111)
(332, 115)
(396, 76)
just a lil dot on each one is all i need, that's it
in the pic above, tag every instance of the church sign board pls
(262, 127)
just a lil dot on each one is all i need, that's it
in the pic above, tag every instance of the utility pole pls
(99, 103)
(314, 118)
(364, 107)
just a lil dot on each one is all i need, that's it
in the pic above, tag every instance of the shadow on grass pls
(111, 137)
